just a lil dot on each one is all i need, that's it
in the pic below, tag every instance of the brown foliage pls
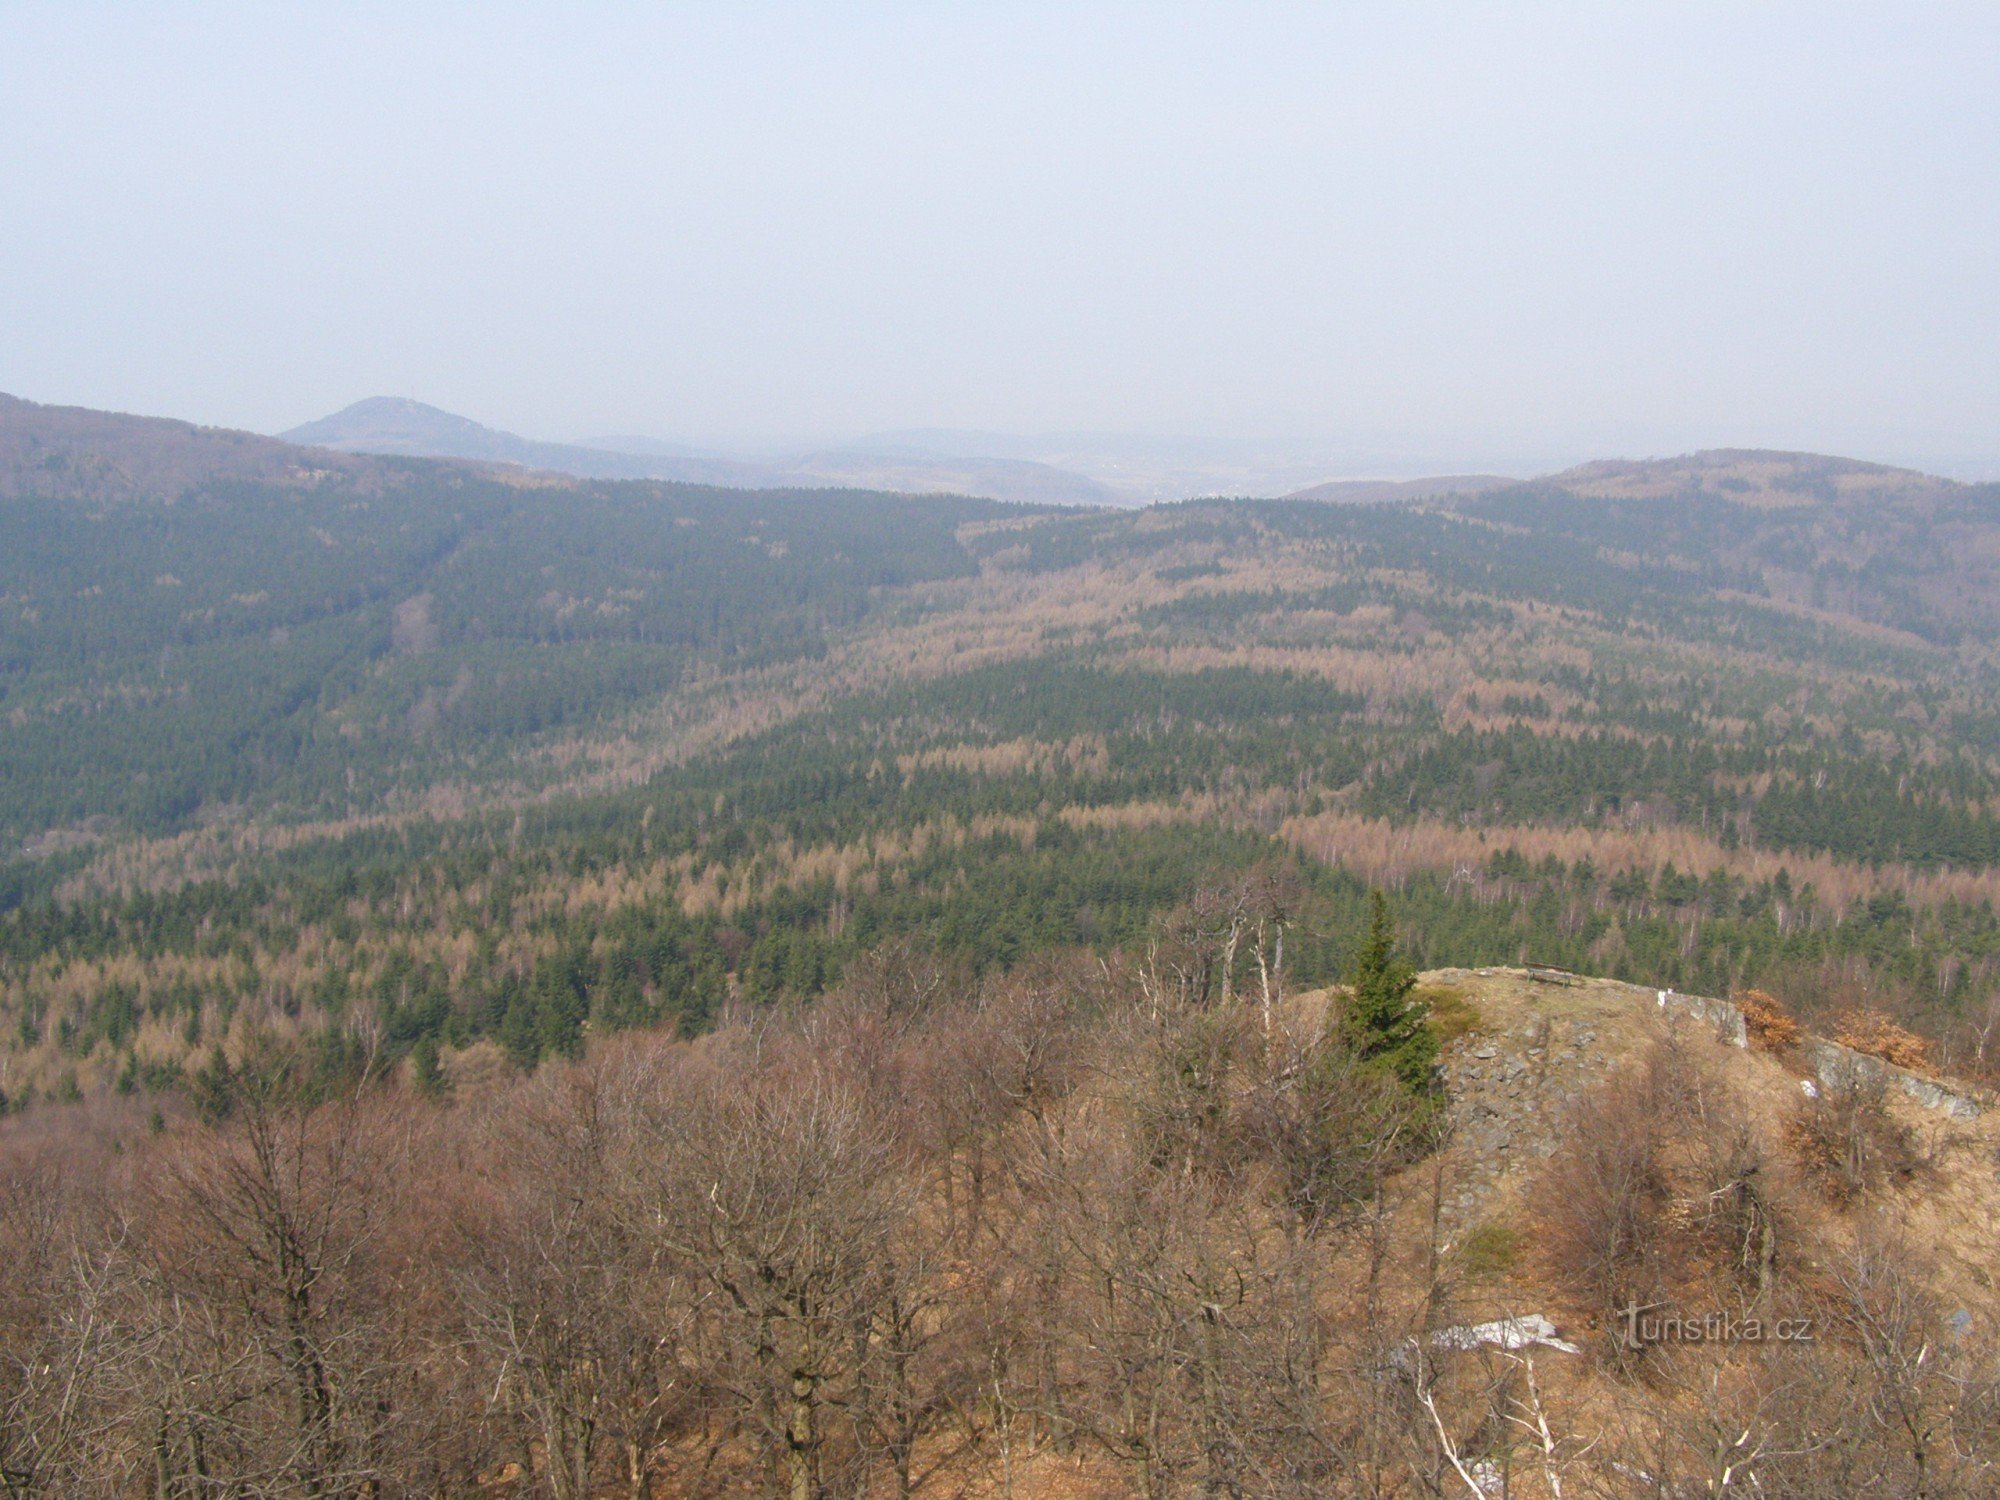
(1771, 1027)
(1873, 1032)
(1059, 1231)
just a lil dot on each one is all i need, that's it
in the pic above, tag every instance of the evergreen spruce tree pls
(1383, 1025)
(521, 1033)
(426, 1071)
(213, 1090)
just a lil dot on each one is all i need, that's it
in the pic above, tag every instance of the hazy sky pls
(1478, 233)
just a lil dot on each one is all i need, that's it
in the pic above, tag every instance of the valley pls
(1720, 743)
(653, 940)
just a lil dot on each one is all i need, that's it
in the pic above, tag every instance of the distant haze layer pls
(1393, 240)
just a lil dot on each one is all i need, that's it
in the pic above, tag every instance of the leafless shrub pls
(1327, 1128)
(780, 1196)
(1182, 1097)
(1198, 952)
(1659, 1180)
(582, 1325)
(1925, 1408)
(1970, 1047)
(1845, 1139)
(59, 1338)
(1884, 1397)
(269, 1354)
(1723, 1207)
(1193, 1343)
(905, 977)
(1603, 1199)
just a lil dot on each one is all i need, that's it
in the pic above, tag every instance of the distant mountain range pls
(1058, 468)
(391, 425)
(78, 453)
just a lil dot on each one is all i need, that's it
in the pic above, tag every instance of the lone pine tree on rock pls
(1384, 1025)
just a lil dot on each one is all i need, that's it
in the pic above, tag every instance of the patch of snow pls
(1504, 1333)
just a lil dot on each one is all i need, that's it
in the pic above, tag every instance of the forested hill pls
(194, 621)
(469, 759)
(1857, 540)
(71, 453)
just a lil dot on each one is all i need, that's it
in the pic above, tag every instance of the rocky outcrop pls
(1833, 1064)
(1509, 1094)
(1512, 1080)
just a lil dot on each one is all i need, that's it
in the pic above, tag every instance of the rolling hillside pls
(1652, 731)
(514, 980)
(1376, 491)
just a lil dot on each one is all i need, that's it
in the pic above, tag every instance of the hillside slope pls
(1376, 491)
(699, 954)
(955, 1232)
(576, 755)
(74, 454)
(1750, 476)
(300, 633)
